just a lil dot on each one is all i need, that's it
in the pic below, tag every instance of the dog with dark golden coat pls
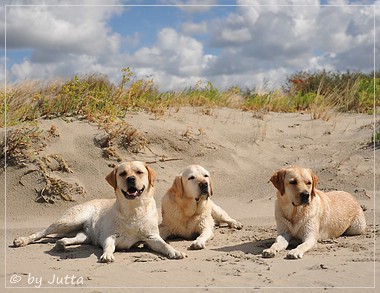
(308, 214)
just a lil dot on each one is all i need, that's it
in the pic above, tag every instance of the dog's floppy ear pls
(111, 178)
(151, 175)
(277, 180)
(314, 183)
(211, 191)
(177, 188)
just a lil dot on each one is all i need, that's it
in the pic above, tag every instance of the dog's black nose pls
(131, 180)
(203, 186)
(305, 196)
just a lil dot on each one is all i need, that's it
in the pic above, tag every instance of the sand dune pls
(241, 150)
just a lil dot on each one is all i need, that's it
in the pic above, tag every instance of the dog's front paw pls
(197, 245)
(268, 253)
(21, 241)
(295, 254)
(236, 225)
(107, 257)
(176, 254)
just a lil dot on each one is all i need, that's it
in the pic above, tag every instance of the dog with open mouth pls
(114, 224)
(188, 211)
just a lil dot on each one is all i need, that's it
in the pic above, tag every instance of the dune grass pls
(95, 98)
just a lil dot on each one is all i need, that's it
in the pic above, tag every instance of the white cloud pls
(75, 29)
(63, 40)
(175, 60)
(250, 46)
(348, 35)
(292, 38)
(236, 36)
(173, 53)
(192, 28)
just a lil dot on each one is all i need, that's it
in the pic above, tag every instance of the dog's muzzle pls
(204, 191)
(304, 199)
(132, 192)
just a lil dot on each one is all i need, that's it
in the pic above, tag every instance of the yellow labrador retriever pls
(114, 224)
(308, 214)
(187, 210)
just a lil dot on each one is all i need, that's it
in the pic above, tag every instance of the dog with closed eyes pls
(308, 214)
(113, 224)
(188, 211)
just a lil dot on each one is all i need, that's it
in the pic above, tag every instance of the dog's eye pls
(205, 175)
(122, 174)
(139, 172)
(293, 181)
(191, 178)
(308, 183)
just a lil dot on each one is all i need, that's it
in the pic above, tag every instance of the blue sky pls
(252, 43)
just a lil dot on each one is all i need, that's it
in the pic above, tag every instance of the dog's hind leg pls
(80, 238)
(220, 216)
(25, 240)
(72, 220)
(358, 225)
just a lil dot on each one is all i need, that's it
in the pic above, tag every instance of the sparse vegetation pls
(320, 92)
(124, 135)
(23, 146)
(94, 98)
(57, 189)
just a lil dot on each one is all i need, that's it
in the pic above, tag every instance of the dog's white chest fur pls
(128, 226)
(135, 225)
(301, 219)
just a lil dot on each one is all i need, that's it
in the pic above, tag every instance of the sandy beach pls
(241, 150)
